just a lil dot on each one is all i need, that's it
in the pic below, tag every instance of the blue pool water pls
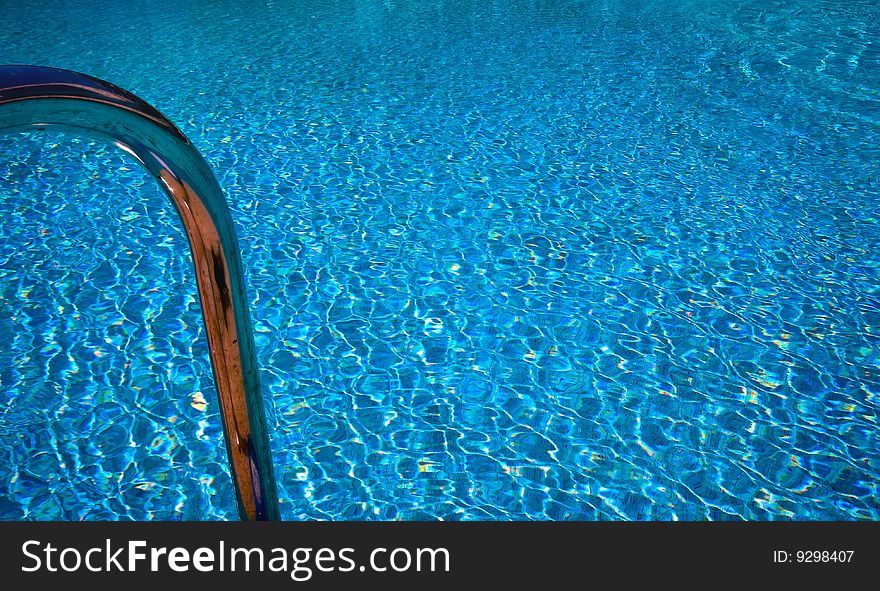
(512, 259)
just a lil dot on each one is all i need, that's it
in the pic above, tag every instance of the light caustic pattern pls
(507, 260)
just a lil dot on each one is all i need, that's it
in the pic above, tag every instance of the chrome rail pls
(37, 98)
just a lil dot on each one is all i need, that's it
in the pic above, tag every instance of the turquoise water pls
(507, 260)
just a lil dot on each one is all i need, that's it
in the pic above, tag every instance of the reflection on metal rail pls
(35, 97)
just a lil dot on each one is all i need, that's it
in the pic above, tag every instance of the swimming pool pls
(507, 260)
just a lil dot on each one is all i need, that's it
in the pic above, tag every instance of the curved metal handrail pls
(36, 97)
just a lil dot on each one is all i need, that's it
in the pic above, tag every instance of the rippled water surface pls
(507, 260)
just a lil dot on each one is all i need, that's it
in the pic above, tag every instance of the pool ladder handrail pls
(33, 97)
